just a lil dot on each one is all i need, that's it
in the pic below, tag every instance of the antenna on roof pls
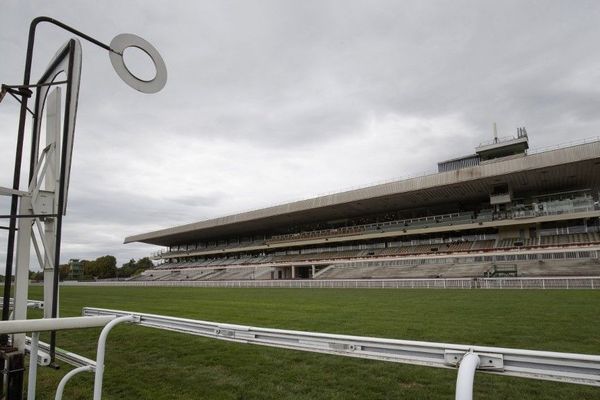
(495, 133)
(521, 132)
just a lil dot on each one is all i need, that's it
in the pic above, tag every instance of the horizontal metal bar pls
(23, 94)
(73, 359)
(545, 365)
(4, 191)
(16, 90)
(73, 30)
(552, 283)
(30, 216)
(36, 85)
(35, 304)
(53, 324)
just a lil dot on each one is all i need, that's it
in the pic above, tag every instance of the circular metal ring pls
(122, 42)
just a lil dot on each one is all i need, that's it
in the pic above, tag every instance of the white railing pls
(565, 145)
(36, 348)
(581, 369)
(540, 283)
(587, 282)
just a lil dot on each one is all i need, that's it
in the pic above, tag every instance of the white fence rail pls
(563, 367)
(581, 369)
(588, 282)
(541, 283)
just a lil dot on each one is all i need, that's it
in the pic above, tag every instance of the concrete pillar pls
(293, 272)
(313, 271)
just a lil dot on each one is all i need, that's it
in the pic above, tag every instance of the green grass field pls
(144, 363)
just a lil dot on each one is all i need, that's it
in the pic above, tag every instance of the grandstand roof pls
(560, 169)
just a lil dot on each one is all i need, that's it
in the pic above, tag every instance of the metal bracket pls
(45, 203)
(488, 361)
(43, 358)
(228, 333)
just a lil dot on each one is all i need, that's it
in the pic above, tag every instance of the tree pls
(63, 271)
(127, 269)
(101, 268)
(133, 267)
(143, 264)
(36, 276)
(106, 267)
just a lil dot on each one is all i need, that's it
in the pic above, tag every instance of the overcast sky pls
(271, 101)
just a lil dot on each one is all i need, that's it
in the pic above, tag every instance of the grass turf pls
(144, 363)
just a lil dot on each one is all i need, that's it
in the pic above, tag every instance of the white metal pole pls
(53, 324)
(53, 125)
(33, 361)
(22, 270)
(61, 386)
(102, 350)
(466, 375)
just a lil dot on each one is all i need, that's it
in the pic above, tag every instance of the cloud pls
(271, 101)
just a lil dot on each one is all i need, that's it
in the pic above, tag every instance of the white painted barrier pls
(563, 367)
(581, 369)
(588, 282)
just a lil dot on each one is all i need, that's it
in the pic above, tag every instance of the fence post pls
(33, 361)
(101, 351)
(466, 375)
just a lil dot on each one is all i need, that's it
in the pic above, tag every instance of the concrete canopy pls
(555, 170)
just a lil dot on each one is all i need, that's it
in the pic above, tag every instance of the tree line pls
(104, 267)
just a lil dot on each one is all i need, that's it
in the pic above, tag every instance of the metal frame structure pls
(37, 212)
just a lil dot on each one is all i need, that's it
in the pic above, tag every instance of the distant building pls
(75, 270)
(501, 204)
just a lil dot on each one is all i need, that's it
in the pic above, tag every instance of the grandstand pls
(503, 210)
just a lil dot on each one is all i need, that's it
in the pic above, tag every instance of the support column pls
(313, 271)
(293, 272)
(22, 268)
(53, 124)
